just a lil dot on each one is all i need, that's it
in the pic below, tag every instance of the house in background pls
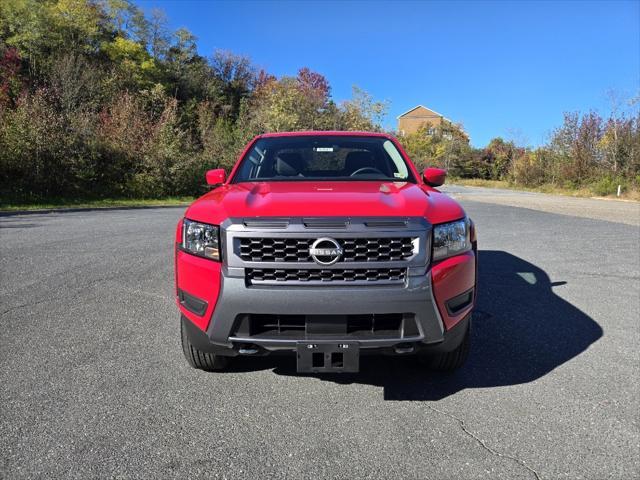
(411, 120)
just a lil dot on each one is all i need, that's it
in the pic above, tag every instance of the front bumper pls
(214, 298)
(451, 340)
(236, 299)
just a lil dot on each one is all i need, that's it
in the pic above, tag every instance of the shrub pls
(608, 185)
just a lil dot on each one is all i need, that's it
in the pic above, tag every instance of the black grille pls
(389, 325)
(297, 249)
(355, 275)
(274, 324)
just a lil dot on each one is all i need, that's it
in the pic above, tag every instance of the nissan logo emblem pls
(325, 251)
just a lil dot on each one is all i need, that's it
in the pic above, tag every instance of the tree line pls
(98, 99)
(586, 151)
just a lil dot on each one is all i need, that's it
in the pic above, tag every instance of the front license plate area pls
(325, 357)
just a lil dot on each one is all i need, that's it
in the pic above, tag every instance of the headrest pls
(357, 160)
(289, 164)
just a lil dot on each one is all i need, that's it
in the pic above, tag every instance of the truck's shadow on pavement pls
(521, 331)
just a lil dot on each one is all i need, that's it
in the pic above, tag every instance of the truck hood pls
(324, 199)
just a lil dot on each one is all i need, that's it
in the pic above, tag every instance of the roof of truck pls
(325, 133)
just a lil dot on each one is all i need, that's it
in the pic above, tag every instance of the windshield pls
(323, 158)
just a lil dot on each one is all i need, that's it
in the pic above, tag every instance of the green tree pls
(237, 78)
(276, 109)
(134, 67)
(362, 112)
(445, 145)
(158, 36)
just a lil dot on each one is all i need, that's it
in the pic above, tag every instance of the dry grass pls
(102, 203)
(630, 195)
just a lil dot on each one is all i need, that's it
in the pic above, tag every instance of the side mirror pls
(216, 177)
(434, 177)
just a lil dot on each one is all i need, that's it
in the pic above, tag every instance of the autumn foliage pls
(586, 151)
(99, 100)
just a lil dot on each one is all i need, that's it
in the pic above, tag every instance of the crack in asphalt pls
(483, 444)
(30, 304)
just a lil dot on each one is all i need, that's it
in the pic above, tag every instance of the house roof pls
(426, 108)
(433, 111)
(422, 106)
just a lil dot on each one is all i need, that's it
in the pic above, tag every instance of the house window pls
(431, 131)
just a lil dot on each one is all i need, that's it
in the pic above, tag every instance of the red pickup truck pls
(327, 246)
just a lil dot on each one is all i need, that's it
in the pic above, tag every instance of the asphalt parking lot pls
(93, 382)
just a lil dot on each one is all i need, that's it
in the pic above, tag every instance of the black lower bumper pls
(451, 339)
(390, 319)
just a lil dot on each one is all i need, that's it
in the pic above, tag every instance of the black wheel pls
(450, 361)
(199, 359)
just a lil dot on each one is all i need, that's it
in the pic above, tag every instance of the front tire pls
(209, 362)
(453, 360)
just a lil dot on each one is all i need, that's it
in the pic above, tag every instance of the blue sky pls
(501, 68)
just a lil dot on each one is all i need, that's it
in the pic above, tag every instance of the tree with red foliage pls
(10, 82)
(263, 80)
(314, 87)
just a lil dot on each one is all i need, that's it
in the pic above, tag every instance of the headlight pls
(451, 239)
(201, 239)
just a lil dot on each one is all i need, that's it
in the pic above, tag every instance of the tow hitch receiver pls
(324, 357)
